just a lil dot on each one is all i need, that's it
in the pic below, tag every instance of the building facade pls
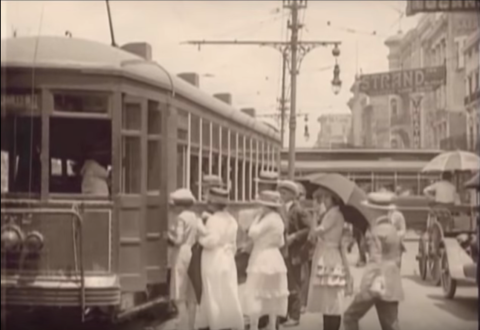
(472, 89)
(335, 131)
(370, 123)
(437, 118)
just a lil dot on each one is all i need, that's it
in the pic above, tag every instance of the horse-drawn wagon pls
(448, 247)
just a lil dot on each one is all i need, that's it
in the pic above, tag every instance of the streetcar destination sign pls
(431, 6)
(403, 81)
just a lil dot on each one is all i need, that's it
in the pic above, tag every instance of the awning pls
(340, 166)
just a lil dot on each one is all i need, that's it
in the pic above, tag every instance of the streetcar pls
(106, 257)
(396, 170)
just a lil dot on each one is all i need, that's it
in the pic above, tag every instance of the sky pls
(252, 74)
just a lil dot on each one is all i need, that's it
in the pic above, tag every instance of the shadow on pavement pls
(465, 308)
(416, 279)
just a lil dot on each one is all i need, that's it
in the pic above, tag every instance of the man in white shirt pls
(443, 191)
(398, 221)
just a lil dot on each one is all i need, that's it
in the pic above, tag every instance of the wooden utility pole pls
(295, 51)
(283, 100)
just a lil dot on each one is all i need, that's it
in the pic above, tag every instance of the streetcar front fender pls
(457, 258)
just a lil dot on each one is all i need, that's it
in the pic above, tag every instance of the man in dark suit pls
(297, 248)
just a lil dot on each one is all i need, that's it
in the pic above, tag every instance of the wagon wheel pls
(422, 256)
(449, 285)
(434, 253)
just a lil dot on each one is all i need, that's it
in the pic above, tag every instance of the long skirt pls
(181, 288)
(220, 306)
(266, 287)
(327, 281)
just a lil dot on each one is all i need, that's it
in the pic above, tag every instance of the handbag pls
(241, 261)
(195, 270)
(377, 288)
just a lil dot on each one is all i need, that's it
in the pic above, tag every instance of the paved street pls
(423, 308)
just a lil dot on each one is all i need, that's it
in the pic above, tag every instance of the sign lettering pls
(403, 81)
(416, 119)
(20, 101)
(430, 6)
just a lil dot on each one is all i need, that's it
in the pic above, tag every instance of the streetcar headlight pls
(34, 242)
(12, 239)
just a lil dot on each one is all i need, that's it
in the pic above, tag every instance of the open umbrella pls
(453, 161)
(351, 195)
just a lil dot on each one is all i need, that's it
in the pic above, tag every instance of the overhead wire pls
(249, 31)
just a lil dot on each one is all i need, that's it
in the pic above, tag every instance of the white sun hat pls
(269, 198)
(182, 195)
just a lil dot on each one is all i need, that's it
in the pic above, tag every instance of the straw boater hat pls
(217, 195)
(269, 198)
(267, 177)
(301, 188)
(288, 185)
(182, 196)
(382, 201)
(212, 180)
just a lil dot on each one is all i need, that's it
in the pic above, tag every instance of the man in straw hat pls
(220, 304)
(381, 284)
(267, 180)
(297, 227)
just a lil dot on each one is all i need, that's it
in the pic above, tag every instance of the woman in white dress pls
(266, 288)
(220, 304)
(181, 238)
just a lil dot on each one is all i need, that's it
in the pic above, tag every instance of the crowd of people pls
(297, 261)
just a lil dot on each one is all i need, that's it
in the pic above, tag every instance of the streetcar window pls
(21, 143)
(83, 102)
(131, 180)
(73, 141)
(154, 155)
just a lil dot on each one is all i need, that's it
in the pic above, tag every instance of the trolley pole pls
(110, 24)
(296, 51)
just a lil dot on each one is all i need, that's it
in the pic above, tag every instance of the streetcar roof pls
(357, 166)
(365, 151)
(80, 54)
